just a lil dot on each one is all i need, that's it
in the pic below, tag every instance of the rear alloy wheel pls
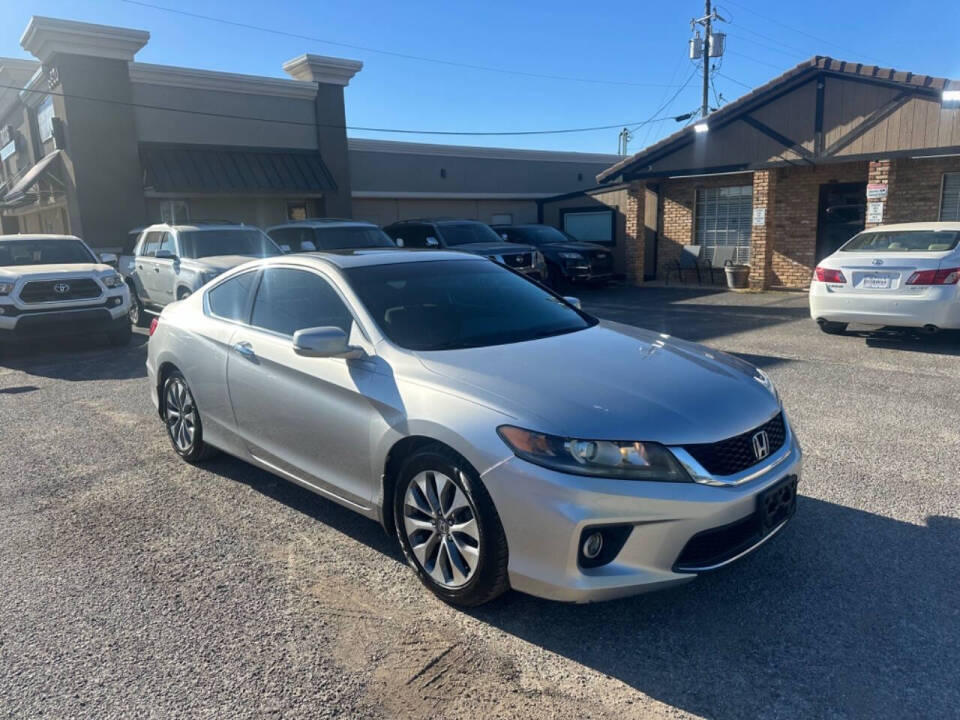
(832, 328)
(449, 529)
(138, 316)
(182, 420)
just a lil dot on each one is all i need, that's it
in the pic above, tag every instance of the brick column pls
(880, 172)
(761, 236)
(635, 240)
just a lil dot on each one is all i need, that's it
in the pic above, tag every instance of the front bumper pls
(928, 305)
(544, 514)
(17, 323)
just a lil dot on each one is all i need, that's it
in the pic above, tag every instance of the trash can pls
(738, 276)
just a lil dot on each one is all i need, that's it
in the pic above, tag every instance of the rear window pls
(903, 241)
(350, 237)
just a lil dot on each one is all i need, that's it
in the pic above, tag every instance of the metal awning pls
(17, 194)
(230, 170)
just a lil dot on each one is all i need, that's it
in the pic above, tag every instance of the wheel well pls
(162, 374)
(400, 451)
(182, 291)
(132, 286)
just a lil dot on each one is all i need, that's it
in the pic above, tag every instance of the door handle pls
(244, 349)
(156, 270)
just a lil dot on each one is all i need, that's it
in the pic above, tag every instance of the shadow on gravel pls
(328, 512)
(846, 614)
(78, 359)
(945, 342)
(686, 312)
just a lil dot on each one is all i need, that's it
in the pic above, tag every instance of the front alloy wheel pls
(441, 528)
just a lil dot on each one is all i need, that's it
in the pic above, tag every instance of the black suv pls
(470, 236)
(568, 259)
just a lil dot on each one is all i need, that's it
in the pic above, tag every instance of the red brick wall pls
(634, 233)
(677, 203)
(761, 236)
(795, 210)
(915, 187)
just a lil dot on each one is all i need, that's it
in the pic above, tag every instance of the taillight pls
(943, 276)
(830, 276)
(153, 325)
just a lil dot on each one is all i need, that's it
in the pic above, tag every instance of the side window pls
(166, 243)
(150, 244)
(289, 300)
(283, 236)
(229, 299)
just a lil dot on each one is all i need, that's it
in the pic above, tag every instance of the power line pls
(391, 53)
(771, 48)
(734, 80)
(279, 121)
(670, 101)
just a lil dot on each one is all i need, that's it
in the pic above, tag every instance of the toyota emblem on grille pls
(761, 444)
(878, 261)
(61, 288)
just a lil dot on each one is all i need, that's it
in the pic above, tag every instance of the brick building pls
(784, 174)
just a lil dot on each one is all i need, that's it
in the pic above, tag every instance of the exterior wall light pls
(701, 127)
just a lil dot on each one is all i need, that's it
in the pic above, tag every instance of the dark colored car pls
(470, 236)
(568, 259)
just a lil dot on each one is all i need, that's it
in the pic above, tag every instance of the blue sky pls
(635, 48)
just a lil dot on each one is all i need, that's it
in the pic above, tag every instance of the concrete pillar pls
(635, 232)
(880, 172)
(761, 235)
(86, 68)
(332, 75)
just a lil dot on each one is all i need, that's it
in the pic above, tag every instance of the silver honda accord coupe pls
(509, 439)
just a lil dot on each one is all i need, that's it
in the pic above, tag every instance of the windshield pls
(543, 235)
(44, 252)
(342, 238)
(469, 232)
(903, 241)
(453, 304)
(228, 241)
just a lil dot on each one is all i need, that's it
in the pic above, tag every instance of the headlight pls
(6, 288)
(764, 379)
(206, 277)
(112, 281)
(600, 458)
(571, 255)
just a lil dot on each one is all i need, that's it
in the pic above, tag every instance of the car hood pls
(492, 248)
(219, 262)
(614, 382)
(49, 272)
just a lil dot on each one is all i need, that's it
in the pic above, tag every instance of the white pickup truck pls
(54, 285)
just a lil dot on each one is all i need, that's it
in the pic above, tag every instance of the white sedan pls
(894, 275)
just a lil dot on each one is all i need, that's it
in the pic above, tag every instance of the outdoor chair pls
(689, 260)
(722, 256)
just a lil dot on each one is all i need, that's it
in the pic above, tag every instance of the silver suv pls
(53, 285)
(172, 261)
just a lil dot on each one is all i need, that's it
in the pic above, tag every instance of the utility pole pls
(707, 30)
(711, 46)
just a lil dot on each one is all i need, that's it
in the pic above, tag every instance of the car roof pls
(323, 223)
(201, 226)
(900, 227)
(524, 225)
(366, 257)
(38, 236)
(438, 221)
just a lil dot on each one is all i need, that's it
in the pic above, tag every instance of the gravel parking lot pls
(132, 584)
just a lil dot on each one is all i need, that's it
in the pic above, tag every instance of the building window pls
(589, 225)
(501, 219)
(45, 119)
(722, 218)
(297, 210)
(174, 211)
(950, 198)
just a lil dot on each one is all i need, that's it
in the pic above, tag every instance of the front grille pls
(601, 261)
(517, 260)
(715, 546)
(53, 290)
(735, 454)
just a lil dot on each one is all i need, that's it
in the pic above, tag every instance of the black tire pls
(833, 328)
(121, 337)
(196, 450)
(183, 293)
(489, 578)
(138, 316)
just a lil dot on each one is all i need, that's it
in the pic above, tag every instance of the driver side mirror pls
(433, 242)
(329, 342)
(573, 301)
(109, 259)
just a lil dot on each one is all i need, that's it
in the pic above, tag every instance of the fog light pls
(592, 545)
(114, 301)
